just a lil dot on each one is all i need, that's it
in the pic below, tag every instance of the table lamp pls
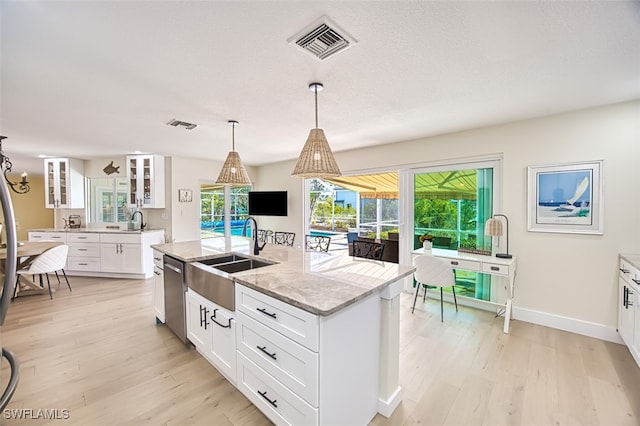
(493, 227)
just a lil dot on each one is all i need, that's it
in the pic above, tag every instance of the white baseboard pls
(572, 325)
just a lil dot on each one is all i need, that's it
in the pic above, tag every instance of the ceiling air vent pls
(178, 123)
(323, 39)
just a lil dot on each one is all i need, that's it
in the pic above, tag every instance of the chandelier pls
(21, 187)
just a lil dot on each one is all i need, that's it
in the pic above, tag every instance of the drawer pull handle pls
(156, 272)
(264, 349)
(264, 311)
(453, 262)
(82, 238)
(213, 318)
(264, 395)
(495, 268)
(157, 258)
(624, 271)
(82, 249)
(635, 281)
(83, 264)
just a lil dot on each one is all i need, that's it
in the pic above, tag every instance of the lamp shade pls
(316, 158)
(493, 227)
(233, 172)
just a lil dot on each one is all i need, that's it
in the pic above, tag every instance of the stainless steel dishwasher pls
(174, 296)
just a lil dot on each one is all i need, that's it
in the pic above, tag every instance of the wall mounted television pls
(268, 203)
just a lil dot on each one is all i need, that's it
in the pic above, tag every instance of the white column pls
(389, 389)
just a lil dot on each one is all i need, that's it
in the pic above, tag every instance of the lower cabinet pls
(107, 254)
(211, 329)
(303, 369)
(629, 307)
(158, 286)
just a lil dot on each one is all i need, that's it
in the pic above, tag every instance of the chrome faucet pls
(256, 246)
(142, 224)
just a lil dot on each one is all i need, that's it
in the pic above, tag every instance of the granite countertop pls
(95, 230)
(633, 259)
(320, 283)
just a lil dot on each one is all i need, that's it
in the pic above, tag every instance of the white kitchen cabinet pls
(211, 329)
(292, 364)
(64, 183)
(47, 236)
(84, 251)
(145, 173)
(629, 307)
(158, 286)
(121, 257)
(106, 254)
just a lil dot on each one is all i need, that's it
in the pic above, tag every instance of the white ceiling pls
(100, 79)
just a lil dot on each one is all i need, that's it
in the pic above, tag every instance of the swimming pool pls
(316, 233)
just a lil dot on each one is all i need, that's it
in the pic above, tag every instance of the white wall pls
(567, 281)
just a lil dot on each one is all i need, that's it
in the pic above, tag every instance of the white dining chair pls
(50, 261)
(435, 272)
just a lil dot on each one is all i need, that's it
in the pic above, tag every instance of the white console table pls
(505, 268)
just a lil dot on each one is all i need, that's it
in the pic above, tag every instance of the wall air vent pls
(323, 39)
(178, 123)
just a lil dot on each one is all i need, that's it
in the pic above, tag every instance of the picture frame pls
(185, 195)
(566, 198)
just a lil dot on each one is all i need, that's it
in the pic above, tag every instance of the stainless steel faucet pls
(256, 246)
(142, 224)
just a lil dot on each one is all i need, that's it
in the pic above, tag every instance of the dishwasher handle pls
(173, 268)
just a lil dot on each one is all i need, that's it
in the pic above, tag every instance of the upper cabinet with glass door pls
(64, 183)
(145, 173)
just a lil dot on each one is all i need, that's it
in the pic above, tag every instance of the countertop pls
(95, 230)
(317, 282)
(633, 259)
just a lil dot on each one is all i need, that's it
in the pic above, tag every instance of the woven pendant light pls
(233, 172)
(316, 159)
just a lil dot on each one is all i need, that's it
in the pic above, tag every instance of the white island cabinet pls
(212, 330)
(316, 336)
(293, 364)
(158, 286)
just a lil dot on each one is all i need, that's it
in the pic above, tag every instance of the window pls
(108, 200)
(452, 203)
(212, 209)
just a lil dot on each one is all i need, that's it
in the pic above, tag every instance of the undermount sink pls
(210, 277)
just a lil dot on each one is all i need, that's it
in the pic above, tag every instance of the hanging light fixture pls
(21, 187)
(316, 159)
(233, 172)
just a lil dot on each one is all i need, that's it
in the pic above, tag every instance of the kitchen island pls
(333, 317)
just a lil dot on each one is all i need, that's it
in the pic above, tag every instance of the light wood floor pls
(97, 352)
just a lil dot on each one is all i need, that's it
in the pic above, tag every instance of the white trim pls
(572, 325)
(386, 408)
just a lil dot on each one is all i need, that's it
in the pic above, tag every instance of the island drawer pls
(83, 237)
(290, 363)
(157, 259)
(272, 398)
(299, 325)
(85, 249)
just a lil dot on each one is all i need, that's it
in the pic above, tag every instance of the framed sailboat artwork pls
(566, 198)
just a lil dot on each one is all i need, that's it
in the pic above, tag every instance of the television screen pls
(268, 203)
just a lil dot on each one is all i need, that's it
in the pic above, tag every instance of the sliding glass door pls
(451, 204)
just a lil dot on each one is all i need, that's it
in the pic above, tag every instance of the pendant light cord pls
(315, 90)
(233, 136)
